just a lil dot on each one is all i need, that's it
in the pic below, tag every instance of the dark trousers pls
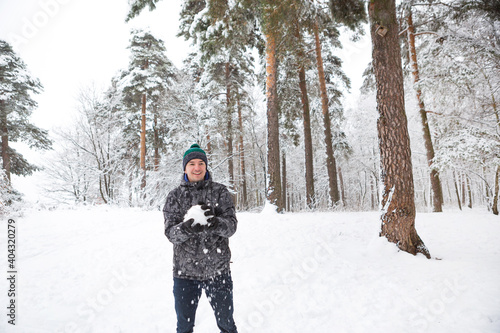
(219, 291)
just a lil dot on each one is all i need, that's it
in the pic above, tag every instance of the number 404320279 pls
(11, 243)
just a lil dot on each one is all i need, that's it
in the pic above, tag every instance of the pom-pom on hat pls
(194, 152)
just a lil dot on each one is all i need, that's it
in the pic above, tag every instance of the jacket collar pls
(200, 184)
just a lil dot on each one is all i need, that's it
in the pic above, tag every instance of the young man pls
(201, 250)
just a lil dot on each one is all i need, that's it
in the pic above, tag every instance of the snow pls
(106, 269)
(269, 208)
(197, 214)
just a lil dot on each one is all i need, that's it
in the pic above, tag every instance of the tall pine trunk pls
(273, 146)
(331, 164)
(143, 141)
(306, 117)
(398, 197)
(308, 148)
(437, 192)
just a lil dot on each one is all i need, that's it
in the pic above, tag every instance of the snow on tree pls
(429, 146)
(459, 56)
(88, 165)
(17, 87)
(223, 34)
(148, 76)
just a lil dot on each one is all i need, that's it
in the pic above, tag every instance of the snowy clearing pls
(107, 269)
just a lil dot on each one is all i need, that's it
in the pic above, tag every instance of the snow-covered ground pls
(108, 270)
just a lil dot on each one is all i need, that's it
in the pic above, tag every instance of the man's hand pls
(212, 214)
(190, 228)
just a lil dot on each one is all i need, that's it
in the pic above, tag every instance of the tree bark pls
(437, 190)
(495, 197)
(487, 189)
(306, 117)
(342, 189)
(398, 197)
(497, 174)
(156, 143)
(244, 199)
(209, 145)
(284, 181)
(308, 148)
(229, 135)
(469, 191)
(273, 145)
(457, 192)
(462, 182)
(143, 141)
(331, 164)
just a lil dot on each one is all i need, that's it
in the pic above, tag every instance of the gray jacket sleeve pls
(227, 221)
(173, 214)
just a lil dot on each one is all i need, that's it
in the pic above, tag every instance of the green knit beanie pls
(194, 152)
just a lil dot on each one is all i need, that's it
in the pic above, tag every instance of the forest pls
(264, 96)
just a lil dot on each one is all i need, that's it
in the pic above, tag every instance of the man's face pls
(196, 170)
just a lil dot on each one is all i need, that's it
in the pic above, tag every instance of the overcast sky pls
(68, 44)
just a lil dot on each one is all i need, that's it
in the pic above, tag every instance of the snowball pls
(197, 214)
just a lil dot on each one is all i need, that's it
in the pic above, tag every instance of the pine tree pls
(149, 74)
(300, 54)
(429, 146)
(16, 105)
(273, 18)
(398, 201)
(137, 6)
(223, 33)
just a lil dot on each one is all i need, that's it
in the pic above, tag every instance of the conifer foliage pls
(143, 84)
(16, 105)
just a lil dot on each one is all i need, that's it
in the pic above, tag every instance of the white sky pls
(70, 44)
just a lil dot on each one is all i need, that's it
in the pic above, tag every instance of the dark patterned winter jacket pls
(200, 256)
